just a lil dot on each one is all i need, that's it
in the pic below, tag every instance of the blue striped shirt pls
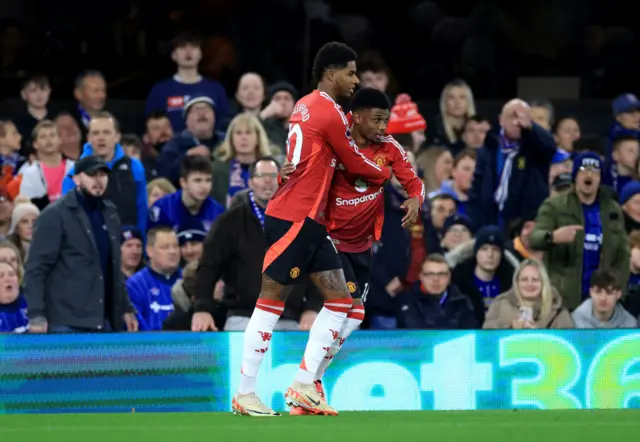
(13, 317)
(150, 294)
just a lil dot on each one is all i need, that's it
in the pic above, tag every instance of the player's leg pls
(356, 271)
(326, 273)
(282, 236)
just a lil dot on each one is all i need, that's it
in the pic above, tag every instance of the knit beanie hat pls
(489, 235)
(20, 211)
(405, 117)
(587, 160)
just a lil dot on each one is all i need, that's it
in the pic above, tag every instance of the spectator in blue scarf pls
(625, 154)
(626, 110)
(13, 307)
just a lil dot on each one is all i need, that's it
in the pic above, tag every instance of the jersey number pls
(295, 130)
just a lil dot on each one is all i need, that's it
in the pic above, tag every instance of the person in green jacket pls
(581, 230)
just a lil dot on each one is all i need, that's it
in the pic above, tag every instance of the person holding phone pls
(532, 302)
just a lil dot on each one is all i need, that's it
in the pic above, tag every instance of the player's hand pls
(306, 320)
(412, 206)
(566, 234)
(199, 150)
(202, 322)
(131, 322)
(286, 170)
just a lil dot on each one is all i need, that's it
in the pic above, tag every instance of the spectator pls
(42, 179)
(275, 117)
(75, 247)
(463, 166)
(542, 113)
(474, 132)
(560, 163)
(630, 202)
(632, 300)
(127, 186)
(150, 288)
(36, 91)
(234, 250)
(10, 253)
(200, 138)
(250, 94)
(457, 230)
(244, 143)
(191, 239)
(6, 209)
(183, 295)
(580, 231)
(132, 146)
(566, 131)
(626, 110)
(441, 206)
(191, 204)
(436, 164)
(158, 132)
(131, 245)
(560, 184)
(375, 73)
(406, 124)
(172, 94)
(157, 188)
(624, 168)
(456, 105)
(510, 180)
(90, 92)
(70, 136)
(435, 303)
(13, 307)
(520, 247)
(532, 302)
(482, 269)
(21, 232)
(602, 309)
(10, 159)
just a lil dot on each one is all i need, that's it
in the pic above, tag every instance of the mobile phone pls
(526, 314)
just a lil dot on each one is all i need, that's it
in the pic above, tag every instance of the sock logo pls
(335, 334)
(266, 336)
(262, 350)
(340, 342)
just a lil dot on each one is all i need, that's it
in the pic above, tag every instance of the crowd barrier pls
(407, 370)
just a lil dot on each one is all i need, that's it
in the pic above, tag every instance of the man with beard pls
(234, 250)
(158, 133)
(581, 230)
(73, 281)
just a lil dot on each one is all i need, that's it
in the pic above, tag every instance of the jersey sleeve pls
(158, 216)
(338, 135)
(405, 173)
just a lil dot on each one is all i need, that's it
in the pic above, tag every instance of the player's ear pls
(357, 117)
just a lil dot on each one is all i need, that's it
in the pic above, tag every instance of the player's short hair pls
(606, 279)
(334, 55)
(252, 168)
(369, 98)
(195, 164)
(104, 115)
(42, 125)
(152, 235)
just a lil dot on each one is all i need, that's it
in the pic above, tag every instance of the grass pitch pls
(472, 426)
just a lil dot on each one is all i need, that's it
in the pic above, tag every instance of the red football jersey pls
(319, 138)
(356, 206)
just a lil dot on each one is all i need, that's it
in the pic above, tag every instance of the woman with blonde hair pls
(456, 106)
(531, 303)
(157, 188)
(10, 253)
(436, 164)
(245, 142)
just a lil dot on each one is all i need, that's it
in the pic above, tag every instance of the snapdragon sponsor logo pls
(362, 199)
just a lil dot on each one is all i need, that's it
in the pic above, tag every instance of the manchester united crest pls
(380, 160)
(351, 286)
(294, 273)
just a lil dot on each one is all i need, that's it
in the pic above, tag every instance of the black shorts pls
(357, 267)
(295, 249)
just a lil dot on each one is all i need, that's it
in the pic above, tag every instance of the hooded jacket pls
(583, 317)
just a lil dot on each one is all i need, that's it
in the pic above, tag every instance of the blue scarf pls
(257, 210)
(238, 178)
(84, 116)
(11, 160)
(508, 150)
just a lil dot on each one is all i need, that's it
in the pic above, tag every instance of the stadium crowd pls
(111, 228)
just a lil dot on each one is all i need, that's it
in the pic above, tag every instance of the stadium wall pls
(416, 370)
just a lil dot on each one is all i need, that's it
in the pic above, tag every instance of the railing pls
(403, 370)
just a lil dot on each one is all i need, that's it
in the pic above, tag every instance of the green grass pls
(475, 426)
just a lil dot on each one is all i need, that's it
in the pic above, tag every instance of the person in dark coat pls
(512, 170)
(435, 303)
(73, 281)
